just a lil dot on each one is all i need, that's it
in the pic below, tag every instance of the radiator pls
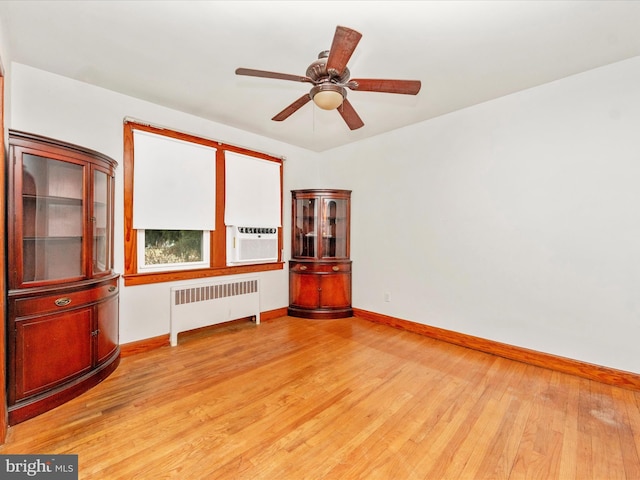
(203, 304)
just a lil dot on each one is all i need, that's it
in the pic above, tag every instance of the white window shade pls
(174, 186)
(252, 191)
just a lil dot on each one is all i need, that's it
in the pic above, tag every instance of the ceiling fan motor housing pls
(317, 71)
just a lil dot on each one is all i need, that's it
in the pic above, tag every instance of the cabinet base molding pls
(34, 406)
(598, 373)
(319, 314)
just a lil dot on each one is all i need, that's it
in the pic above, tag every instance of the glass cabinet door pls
(305, 238)
(52, 219)
(101, 220)
(334, 228)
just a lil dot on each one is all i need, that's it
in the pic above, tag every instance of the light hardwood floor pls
(337, 399)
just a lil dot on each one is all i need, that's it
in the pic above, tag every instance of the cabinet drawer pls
(321, 267)
(64, 301)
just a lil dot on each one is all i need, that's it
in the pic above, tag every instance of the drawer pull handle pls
(112, 288)
(303, 267)
(63, 302)
(335, 268)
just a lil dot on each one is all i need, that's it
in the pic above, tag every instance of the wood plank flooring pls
(337, 399)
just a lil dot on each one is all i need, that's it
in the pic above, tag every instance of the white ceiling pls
(184, 54)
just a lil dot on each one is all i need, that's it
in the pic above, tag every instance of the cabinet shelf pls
(53, 199)
(53, 238)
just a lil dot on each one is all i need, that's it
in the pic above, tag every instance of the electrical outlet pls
(387, 296)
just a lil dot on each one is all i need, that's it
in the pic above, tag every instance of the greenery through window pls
(172, 246)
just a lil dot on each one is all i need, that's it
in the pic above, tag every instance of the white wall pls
(517, 220)
(92, 117)
(5, 64)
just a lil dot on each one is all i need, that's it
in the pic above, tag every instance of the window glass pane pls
(173, 246)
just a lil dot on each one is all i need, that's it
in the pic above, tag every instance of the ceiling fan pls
(330, 78)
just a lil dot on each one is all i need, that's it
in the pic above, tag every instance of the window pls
(164, 250)
(181, 192)
(260, 177)
(174, 199)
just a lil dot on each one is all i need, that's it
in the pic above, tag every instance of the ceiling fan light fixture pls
(328, 96)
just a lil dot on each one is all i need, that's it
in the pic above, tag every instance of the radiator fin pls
(212, 292)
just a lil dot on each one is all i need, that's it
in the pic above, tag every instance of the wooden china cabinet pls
(62, 299)
(320, 268)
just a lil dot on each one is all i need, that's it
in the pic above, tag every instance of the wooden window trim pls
(218, 236)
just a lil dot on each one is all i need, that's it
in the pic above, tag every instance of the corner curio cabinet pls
(62, 299)
(320, 268)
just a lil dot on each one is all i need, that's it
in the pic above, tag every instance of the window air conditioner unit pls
(251, 245)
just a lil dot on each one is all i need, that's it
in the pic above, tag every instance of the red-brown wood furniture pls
(320, 268)
(62, 300)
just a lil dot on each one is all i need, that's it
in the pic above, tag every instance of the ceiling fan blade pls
(291, 109)
(406, 87)
(344, 43)
(349, 115)
(278, 76)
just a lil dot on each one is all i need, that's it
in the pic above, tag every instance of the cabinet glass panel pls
(101, 223)
(52, 219)
(334, 227)
(305, 236)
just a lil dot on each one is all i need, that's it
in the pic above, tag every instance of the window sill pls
(159, 277)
